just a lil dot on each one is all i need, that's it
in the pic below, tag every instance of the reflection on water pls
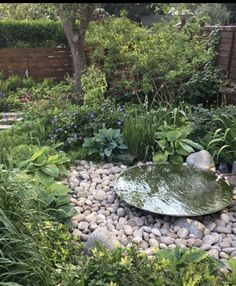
(173, 190)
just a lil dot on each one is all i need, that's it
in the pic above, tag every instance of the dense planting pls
(140, 89)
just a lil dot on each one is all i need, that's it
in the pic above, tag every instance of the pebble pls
(93, 197)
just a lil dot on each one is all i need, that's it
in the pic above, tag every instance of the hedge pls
(31, 34)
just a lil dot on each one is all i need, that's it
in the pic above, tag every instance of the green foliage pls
(223, 142)
(147, 64)
(217, 13)
(32, 243)
(9, 103)
(94, 86)
(128, 266)
(30, 11)
(33, 34)
(207, 86)
(43, 162)
(173, 142)
(139, 130)
(106, 143)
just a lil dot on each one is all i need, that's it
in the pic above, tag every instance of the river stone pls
(100, 195)
(201, 160)
(208, 239)
(182, 233)
(194, 227)
(102, 236)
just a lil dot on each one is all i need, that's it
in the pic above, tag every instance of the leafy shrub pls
(106, 143)
(147, 64)
(207, 86)
(70, 128)
(128, 266)
(223, 142)
(32, 243)
(43, 162)
(9, 103)
(173, 142)
(34, 34)
(94, 86)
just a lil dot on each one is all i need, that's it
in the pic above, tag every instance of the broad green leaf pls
(160, 158)
(43, 177)
(193, 144)
(58, 189)
(186, 147)
(173, 135)
(51, 170)
(176, 159)
(39, 153)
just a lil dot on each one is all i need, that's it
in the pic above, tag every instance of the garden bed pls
(99, 207)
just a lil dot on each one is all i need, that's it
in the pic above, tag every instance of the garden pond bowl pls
(175, 190)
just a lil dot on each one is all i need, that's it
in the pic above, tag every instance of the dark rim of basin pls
(201, 197)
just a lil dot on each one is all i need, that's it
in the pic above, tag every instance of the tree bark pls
(76, 37)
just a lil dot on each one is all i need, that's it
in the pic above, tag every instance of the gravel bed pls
(99, 207)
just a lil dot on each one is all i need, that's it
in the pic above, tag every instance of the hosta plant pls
(174, 144)
(43, 162)
(106, 143)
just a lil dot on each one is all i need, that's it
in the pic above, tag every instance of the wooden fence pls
(40, 63)
(56, 62)
(226, 49)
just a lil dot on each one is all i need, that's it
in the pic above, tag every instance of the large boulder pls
(201, 160)
(194, 227)
(103, 237)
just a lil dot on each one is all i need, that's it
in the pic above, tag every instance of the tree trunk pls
(78, 55)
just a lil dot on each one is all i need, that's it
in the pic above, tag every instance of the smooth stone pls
(143, 244)
(137, 239)
(201, 160)
(83, 225)
(225, 218)
(153, 242)
(99, 195)
(104, 237)
(208, 239)
(223, 229)
(180, 241)
(120, 212)
(90, 218)
(229, 250)
(198, 242)
(78, 217)
(167, 240)
(224, 255)
(182, 233)
(77, 233)
(128, 230)
(194, 227)
(214, 253)
(163, 246)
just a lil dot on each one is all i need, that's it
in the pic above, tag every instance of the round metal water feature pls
(175, 190)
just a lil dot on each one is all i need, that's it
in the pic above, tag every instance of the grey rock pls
(208, 239)
(214, 253)
(224, 217)
(223, 229)
(83, 225)
(120, 212)
(102, 236)
(167, 240)
(182, 233)
(201, 160)
(194, 227)
(128, 230)
(100, 195)
(153, 242)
